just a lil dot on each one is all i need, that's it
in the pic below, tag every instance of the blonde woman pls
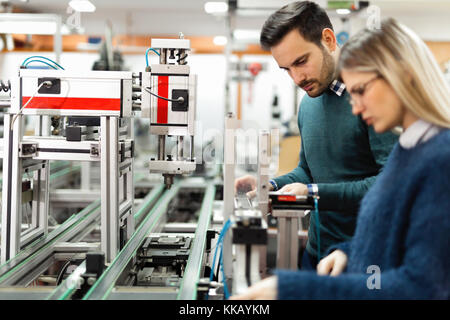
(401, 246)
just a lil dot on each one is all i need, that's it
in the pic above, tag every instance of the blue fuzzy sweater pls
(403, 229)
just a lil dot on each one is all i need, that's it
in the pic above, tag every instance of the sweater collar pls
(420, 131)
(337, 87)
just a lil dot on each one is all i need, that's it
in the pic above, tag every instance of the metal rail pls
(105, 284)
(13, 270)
(188, 288)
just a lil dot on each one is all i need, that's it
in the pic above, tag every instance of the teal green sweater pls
(343, 156)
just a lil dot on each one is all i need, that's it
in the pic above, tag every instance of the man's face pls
(311, 67)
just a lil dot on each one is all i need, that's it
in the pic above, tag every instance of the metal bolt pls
(91, 280)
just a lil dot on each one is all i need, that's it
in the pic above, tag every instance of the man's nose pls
(298, 77)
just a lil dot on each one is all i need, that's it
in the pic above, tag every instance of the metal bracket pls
(27, 150)
(95, 150)
(126, 149)
(122, 151)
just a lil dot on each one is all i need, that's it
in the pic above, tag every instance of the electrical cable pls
(47, 83)
(316, 213)
(179, 100)
(225, 286)
(220, 244)
(62, 271)
(42, 57)
(5, 86)
(146, 54)
(41, 62)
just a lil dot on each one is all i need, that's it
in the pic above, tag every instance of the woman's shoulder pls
(434, 157)
(438, 147)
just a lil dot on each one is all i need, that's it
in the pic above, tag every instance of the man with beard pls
(340, 155)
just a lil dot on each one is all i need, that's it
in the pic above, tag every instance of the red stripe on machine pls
(105, 104)
(163, 105)
(287, 198)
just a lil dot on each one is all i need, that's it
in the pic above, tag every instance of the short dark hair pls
(305, 16)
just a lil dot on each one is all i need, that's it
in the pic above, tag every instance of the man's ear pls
(329, 39)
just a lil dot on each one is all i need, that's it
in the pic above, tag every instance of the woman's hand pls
(333, 264)
(263, 290)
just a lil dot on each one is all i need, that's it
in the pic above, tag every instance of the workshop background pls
(59, 223)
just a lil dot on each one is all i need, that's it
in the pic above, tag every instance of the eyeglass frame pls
(362, 88)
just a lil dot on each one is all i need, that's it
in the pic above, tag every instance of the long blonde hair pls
(397, 54)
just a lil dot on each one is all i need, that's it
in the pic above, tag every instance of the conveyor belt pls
(188, 288)
(16, 268)
(104, 285)
(103, 288)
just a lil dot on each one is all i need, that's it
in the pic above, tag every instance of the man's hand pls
(263, 290)
(247, 184)
(335, 263)
(298, 189)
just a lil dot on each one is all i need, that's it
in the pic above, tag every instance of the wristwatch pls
(313, 190)
(274, 185)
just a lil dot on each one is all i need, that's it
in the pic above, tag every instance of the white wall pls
(257, 97)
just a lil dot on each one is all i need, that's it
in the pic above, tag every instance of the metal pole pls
(12, 189)
(85, 175)
(191, 153)
(180, 141)
(264, 154)
(161, 147)
(228, 189)
(109, 187)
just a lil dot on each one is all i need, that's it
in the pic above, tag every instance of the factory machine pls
(190, 238)
(97, 108)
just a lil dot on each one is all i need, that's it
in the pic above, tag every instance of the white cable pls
(47, 83)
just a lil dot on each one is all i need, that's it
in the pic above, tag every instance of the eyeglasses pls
(357, 92)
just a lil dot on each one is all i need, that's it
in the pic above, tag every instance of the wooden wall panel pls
(200, 45)
(441, 51)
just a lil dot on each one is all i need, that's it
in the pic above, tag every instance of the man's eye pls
(299, 63)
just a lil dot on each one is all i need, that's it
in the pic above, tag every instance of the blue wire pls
(224, 280)
(42, 57)
(146, 54)
(41, 62)
(225, 286)
(211, 275)
(316, 204)
(220, 244)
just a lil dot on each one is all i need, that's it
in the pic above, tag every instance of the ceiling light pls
(82, 5)
(216, 7)
(343, 11)
(220, 40)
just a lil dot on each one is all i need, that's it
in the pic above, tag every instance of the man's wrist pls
(313, 190)
(274, 185)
